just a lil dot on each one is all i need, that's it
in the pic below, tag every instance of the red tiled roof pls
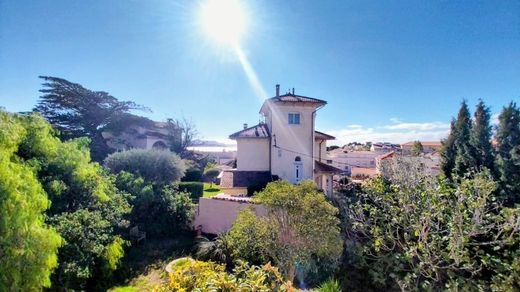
(257, 131)
(322, 167)
(386, 155)
(322, 136)
(289, 97)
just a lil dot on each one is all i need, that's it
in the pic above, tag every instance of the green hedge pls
(192, 175)
(195, 188)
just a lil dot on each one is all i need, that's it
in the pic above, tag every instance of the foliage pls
(481, 138)
(508, 153)
(301, 231)
(86, 208)
(158, 210)
(179, 142)
(330, 285)
(156, 166)
(28, 246)
(434, 237)
(211, 174)
(464, 152)
(218, 250)
(79, 112)
(448, 152)
(207, 276)
(417, 148)
(194, 188)
(193, 172)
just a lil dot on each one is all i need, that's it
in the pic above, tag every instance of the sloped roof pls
(322, 167)
(289, 97)
(322, 136)
(257, 131)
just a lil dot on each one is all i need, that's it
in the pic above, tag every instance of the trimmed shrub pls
(195, 188)
(156, 166)
(192, 174)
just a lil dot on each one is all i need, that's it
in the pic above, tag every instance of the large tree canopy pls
(28, 246)
(301, 232)
(80, 112)
(86, 208)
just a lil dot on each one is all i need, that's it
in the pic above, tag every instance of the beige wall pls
(217, 216)
(320, 150)
(253, 154)
(296, 138)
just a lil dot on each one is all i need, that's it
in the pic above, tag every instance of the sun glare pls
(223, 20)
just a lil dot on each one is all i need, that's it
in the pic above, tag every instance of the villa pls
(284, 145)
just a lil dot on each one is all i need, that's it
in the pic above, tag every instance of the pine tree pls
(464, 152)
(508, 153)
(481, 138)
(448, 152)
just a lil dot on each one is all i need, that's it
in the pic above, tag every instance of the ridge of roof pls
(256, 131)
(290, 97)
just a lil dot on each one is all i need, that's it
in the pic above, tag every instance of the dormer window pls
(294, 119)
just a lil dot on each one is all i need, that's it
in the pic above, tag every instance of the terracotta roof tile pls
(257, 131)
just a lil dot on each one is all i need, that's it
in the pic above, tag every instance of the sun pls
(223, 20)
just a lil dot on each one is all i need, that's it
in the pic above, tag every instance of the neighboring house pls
(384, 147)
(284, 145)
(429, 161)
(143, 134)
(348, 160)
(428, 146)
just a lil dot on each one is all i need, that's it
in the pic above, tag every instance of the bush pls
(161, 167)
(194, 188)
(192, 174)
(157, 210)
(194, 275)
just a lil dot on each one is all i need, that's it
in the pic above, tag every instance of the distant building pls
(429, 161)
(348, 160)
(142, 133)
(383, 147)
(428, 146)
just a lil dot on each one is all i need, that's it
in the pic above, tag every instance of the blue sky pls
(390, 70)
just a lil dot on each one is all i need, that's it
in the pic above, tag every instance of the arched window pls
(159, 145)
(298, 159)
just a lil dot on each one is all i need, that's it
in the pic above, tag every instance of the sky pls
(390, 70)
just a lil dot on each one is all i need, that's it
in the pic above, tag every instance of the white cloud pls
(395, 133)
(418, 126)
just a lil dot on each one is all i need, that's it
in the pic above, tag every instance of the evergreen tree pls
(417, 148)
(464, 152)
(79, 112)
(448, 152)
(481, 138)
(508, 153)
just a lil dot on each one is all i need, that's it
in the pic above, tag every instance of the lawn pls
(210, 191)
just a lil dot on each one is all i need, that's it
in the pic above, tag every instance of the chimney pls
(245, 126)
(277, 90)
(293, 91)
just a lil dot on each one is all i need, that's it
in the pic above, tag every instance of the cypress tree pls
(448, 152)
(481, 138)
(464, 152)
(508, 153)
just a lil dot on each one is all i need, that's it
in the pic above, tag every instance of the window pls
(294, 119)
(329, 161)
(297, 159)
